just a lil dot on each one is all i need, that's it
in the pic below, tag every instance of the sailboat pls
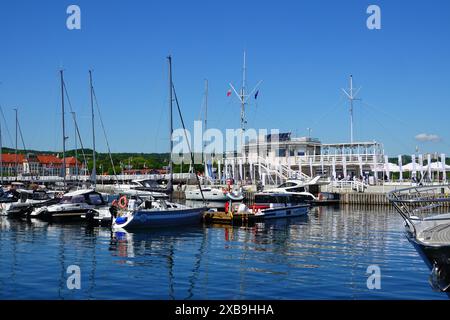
(137, 213)
(211, 193)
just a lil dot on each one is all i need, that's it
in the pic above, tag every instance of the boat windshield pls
(149, 184)
(95, 199)
(287, 185)
(73, 199)
(272, 198)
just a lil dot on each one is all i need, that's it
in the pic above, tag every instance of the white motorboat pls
(72, 206)
(27, 201)
(426, 219)
(425, 210)
(214, 194)
(297, 188)
(276, 205)
(142, 188)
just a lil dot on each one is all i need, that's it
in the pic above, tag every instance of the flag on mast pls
(256, 94)
(229, 93)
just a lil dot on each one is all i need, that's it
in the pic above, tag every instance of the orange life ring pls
(123, 202)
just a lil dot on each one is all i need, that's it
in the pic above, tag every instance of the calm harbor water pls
(323, 256)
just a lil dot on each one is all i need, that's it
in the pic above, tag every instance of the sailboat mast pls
(206, 104)
(351, 109)
(17, 165)
(94, 170)
(170, 184)
(63, 127)
(1, 155)
(76, 145)
(205, 126)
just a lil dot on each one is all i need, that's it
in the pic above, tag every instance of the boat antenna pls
(63, 127)
(243, 97)
(94, 170)
(172, 90)
(351, 97)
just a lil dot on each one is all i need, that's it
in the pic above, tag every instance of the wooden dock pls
(221, 217)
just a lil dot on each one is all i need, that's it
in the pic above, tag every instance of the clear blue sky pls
(304, 51)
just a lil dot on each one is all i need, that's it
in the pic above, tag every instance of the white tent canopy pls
(437, 166)
(410, 167)
(391, 167)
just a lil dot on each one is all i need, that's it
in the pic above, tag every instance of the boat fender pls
(227, 207)
(121, 220)
(123, 202)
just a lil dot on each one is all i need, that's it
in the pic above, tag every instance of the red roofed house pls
(43, 165)
(49, 165)
(72, 164)
(9, 162)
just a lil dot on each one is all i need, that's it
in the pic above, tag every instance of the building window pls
(281, 152)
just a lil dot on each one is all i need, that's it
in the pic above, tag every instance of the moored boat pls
(138, 213)
(72, 206)
(278, 205)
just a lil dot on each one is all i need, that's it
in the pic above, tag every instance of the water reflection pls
(322, 255)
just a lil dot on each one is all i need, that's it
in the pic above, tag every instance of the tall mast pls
(206, 104)
(16, 160)
(1, 155)
(170, 184)
(243, 100)
(94, 171)
(76, 145)
(351, 97)
(63, 127)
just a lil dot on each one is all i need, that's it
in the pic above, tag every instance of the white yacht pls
(214, 194)
(27, 201)
(142, 188)
(297, 188)
(425, 210)
(276, 205)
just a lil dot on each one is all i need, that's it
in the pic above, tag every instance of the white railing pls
(124, 177)
(357, 186)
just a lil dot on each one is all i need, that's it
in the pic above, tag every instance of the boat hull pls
(208, 195)
(283, 212)
(153, 218)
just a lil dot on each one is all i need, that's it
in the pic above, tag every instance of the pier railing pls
(346, 185)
